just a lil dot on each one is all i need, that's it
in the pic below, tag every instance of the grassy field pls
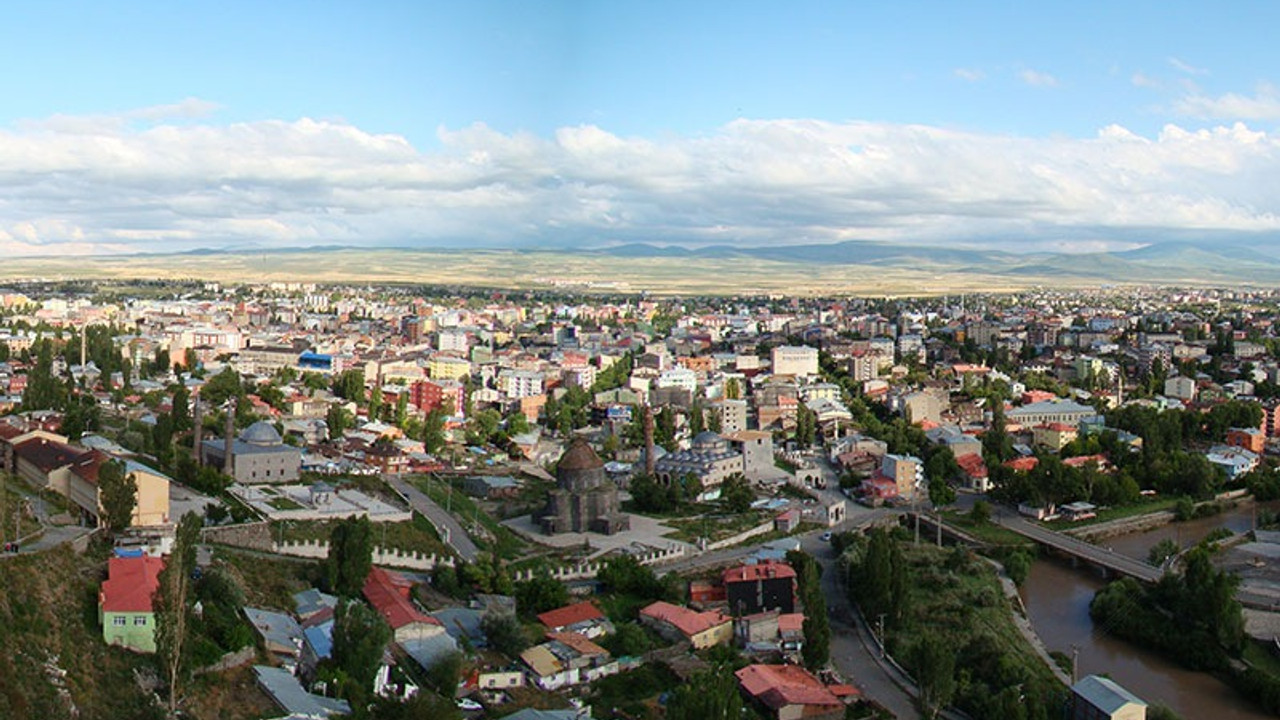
(1115, 513)
(988, 532)
(416, 535)
(582, 271)
(54, 663)
(957, 598)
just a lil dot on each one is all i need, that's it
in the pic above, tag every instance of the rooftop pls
(571, 615)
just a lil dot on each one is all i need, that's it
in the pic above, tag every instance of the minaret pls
(228, 459)
(197, 431)
(648, 440)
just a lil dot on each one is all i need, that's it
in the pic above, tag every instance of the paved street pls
(448, 527)
(853, 650)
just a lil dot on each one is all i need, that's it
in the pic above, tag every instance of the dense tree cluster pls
(817, 626)
(1209, 625)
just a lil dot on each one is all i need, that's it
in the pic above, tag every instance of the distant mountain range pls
(1160, 262)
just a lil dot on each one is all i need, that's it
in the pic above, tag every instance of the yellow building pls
(452, 367)
(699, 629)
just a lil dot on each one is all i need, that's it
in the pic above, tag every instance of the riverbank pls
(1057, 595)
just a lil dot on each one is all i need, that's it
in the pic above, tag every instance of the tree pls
(349, 385)
(981, 512)
(504, 633)
(181, 408)
(338, 420)
(817, 628)
(360, 637)
(733, 389)
(934, 666)
(697, 419)
(118, 494)
(445, 673)
(540, 594)
(350, 556)
(736, 494)
(433, 431)
(222, 387)
(172, 604)
(709, 695)
(941, 494)
(624, 574)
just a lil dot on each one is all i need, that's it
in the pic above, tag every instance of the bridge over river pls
(1093, 554)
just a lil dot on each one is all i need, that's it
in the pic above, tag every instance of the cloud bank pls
(163, 179)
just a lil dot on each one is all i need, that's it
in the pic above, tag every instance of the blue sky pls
(408, 122)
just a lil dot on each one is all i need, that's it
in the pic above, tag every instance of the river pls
(1057, 598)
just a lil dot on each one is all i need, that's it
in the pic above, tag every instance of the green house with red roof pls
(124, 602)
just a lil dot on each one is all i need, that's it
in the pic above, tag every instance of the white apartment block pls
(801, 361)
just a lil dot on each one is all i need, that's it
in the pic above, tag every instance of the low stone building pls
(585, 499)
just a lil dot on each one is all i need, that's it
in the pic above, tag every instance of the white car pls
(469, 705)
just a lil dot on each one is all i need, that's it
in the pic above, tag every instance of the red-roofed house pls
(675, 623)
(1100, 460)
(1023, 464)
(975, 471)
(388, 593)
(124, 602)
(790, 692)
(583, 618)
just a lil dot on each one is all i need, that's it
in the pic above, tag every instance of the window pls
(140, 620)
(118, 621)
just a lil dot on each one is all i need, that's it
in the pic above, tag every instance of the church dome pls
(261, 433)
(579, 457)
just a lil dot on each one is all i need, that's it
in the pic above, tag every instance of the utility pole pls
(1075, 661)
(883, 647)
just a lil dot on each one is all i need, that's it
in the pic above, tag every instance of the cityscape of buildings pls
(500, 443)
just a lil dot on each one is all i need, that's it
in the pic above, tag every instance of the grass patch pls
(716, 527)
(1108, 514)
(632, 694)
(1261, 657)
(487, 532)
(280, 502)
(416, 535)
(988, 532)
(268, 582)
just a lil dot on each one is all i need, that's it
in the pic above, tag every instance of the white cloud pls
(86, 185)
(1141, 79)
(969, 74)
(1036, 78)
(1187, 67)
(1262, 105)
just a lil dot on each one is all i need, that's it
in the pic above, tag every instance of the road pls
(1104, 557)
(445, 524)
(853, 650)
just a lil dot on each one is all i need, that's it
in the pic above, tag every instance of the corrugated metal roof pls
(1104, 694)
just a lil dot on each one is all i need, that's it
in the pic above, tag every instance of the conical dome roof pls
(579, 456)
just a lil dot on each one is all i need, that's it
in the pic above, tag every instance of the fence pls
(590, 569)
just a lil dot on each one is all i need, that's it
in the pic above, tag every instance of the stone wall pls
(387, 557)
(589, 569)
(251, 536)
(743, 536)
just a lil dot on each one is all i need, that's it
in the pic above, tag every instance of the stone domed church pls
(585, 499)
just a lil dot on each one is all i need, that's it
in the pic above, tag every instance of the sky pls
(1077, 127)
